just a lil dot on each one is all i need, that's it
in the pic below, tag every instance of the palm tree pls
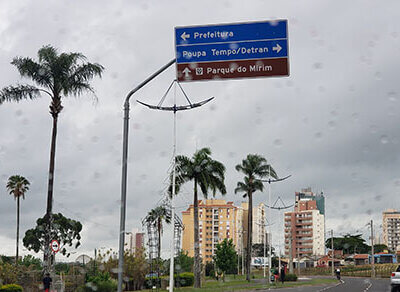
(17, 186)
(253, 167)
(208, 174)
(157, 216)
(58, 76)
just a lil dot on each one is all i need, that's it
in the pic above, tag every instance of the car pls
(395, 280)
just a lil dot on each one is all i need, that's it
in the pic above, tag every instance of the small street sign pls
(238, 50)
(55, 245)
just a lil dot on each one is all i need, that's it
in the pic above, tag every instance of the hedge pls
(180, 280)
(290, 277)
(11, 288)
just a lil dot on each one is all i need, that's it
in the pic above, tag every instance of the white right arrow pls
(278, 48)
(186, 71)
(184, 36)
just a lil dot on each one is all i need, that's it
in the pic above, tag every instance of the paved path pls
(345, 285)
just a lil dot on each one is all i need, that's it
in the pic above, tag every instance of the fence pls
(381, 270)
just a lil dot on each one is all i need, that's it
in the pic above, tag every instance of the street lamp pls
(125, 168)
(265, 241)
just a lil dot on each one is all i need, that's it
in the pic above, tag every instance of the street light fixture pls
(125, 168)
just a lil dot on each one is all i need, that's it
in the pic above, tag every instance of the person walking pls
(47, 282)
(282, 274)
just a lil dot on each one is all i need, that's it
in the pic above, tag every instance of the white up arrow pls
(278, 48)
(184, 36)
(186, 71)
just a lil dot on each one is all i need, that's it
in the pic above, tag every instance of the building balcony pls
(303, 223)
(302, 246)
(304, 229)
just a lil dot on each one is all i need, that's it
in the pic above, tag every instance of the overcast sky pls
(333, 124)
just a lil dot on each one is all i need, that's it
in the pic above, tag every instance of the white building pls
(391, 229)
(305, 230)
(258, 223)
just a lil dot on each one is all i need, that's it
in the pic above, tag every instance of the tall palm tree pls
(157, 216)
(253, 167)
(208, 174)
(17, 186)
(58, 76)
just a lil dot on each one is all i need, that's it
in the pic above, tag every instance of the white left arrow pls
(278, 48)
(186, 71)
(185, 36)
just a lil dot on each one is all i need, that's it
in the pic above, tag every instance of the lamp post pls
(269, 181)
(125, 169)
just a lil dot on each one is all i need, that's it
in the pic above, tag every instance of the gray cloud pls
(332, 124)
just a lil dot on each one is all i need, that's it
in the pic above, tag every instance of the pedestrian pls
(276, 275)
(47, 282)
(283, 274)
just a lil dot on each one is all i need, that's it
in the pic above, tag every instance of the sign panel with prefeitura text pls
(239, 50)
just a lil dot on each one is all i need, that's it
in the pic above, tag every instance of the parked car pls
(395, 280)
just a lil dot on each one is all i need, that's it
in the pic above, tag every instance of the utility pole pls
(298, 259)
(290, 254)
(242, 253)
(265, 241)
(372, 251)
(333, 254)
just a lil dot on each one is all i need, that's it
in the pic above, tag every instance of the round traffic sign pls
(55, 246)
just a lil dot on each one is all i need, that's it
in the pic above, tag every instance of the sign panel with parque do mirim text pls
(226, 51)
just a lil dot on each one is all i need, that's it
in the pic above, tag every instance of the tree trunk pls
(16, 254)
(197, 263)
(159, 237)
(50, 184)
(249, 236)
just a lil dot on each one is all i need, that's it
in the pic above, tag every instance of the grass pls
(240, 284)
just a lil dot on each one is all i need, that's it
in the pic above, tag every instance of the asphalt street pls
(347, 285)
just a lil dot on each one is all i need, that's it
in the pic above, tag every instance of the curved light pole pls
(275, 207)
(174, 109)
(125, 169)
(265, 241)
(269, 181)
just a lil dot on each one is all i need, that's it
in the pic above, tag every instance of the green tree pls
(156, 216)
(135, 268)
(349, 244)
(225, 257)
(30, 261)
(58, 76)
(66, 231)
(254, 167)
(184, 263)
(208, 174)
(380, 248)
(17, 186)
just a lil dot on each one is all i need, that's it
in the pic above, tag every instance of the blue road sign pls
(238, 45)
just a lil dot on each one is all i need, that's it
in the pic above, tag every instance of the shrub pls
(109, 286)
(180, 280)
(152, 281)
(11, 288)
(185, 279)
(290, 277)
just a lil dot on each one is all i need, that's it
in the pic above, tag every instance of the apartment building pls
(391, 229)
(304, 229)
(259, 223)
(135, 240)
(217, 221)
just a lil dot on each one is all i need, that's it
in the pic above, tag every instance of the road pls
(347, 285)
